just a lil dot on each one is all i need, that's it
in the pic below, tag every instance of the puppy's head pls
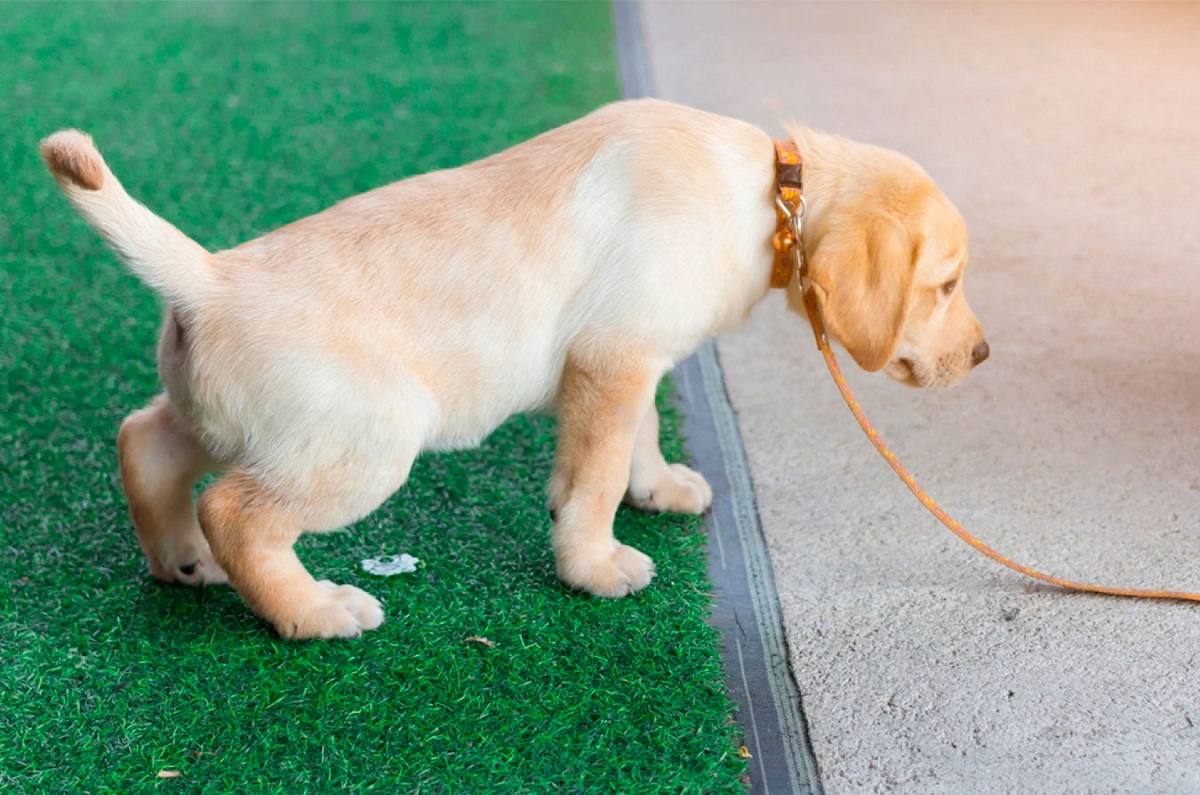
(886, 256)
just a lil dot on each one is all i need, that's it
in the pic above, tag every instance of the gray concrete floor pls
(1069, 136)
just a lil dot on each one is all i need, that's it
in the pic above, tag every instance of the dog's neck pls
(820, 180)
(797, 215)
(822, 158)
(790, 207)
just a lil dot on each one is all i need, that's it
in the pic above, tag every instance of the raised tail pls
(169, 261)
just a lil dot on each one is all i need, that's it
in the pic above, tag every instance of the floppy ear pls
(863, 277)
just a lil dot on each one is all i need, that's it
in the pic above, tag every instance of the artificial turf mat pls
(230, 120)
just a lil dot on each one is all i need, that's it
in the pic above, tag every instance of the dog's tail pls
(169, 261)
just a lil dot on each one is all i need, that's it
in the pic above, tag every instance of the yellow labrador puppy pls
(567, 274)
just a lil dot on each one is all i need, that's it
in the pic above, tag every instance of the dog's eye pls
(949, 286)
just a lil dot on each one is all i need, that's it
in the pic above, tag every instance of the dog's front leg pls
(655, 485)
(599, 411)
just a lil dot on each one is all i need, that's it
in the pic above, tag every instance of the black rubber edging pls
(746, 605)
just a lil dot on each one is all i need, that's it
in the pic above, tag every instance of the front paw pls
(679, 489)
(613, 573)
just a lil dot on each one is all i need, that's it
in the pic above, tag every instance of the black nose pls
(980, 353)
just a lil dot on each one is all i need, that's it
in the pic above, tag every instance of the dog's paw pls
(623, 571)
(337, 611)
(189, 562)
(680, 489)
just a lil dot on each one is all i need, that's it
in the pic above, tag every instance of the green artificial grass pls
(230, 120)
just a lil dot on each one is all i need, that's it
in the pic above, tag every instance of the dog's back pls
(448, 301)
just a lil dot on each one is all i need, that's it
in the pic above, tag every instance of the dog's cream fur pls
(566, 274)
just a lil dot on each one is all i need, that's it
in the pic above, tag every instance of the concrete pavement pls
(1069, 136)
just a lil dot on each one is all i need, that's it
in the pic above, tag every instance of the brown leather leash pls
(789, 264)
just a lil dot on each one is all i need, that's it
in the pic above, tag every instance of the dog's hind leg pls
(655, 485)
(252, 528)
(161, 462)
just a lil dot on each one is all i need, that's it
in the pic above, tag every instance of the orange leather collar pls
(789, 188)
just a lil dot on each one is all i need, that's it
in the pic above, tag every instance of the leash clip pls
(794, 216)
(793, 213)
